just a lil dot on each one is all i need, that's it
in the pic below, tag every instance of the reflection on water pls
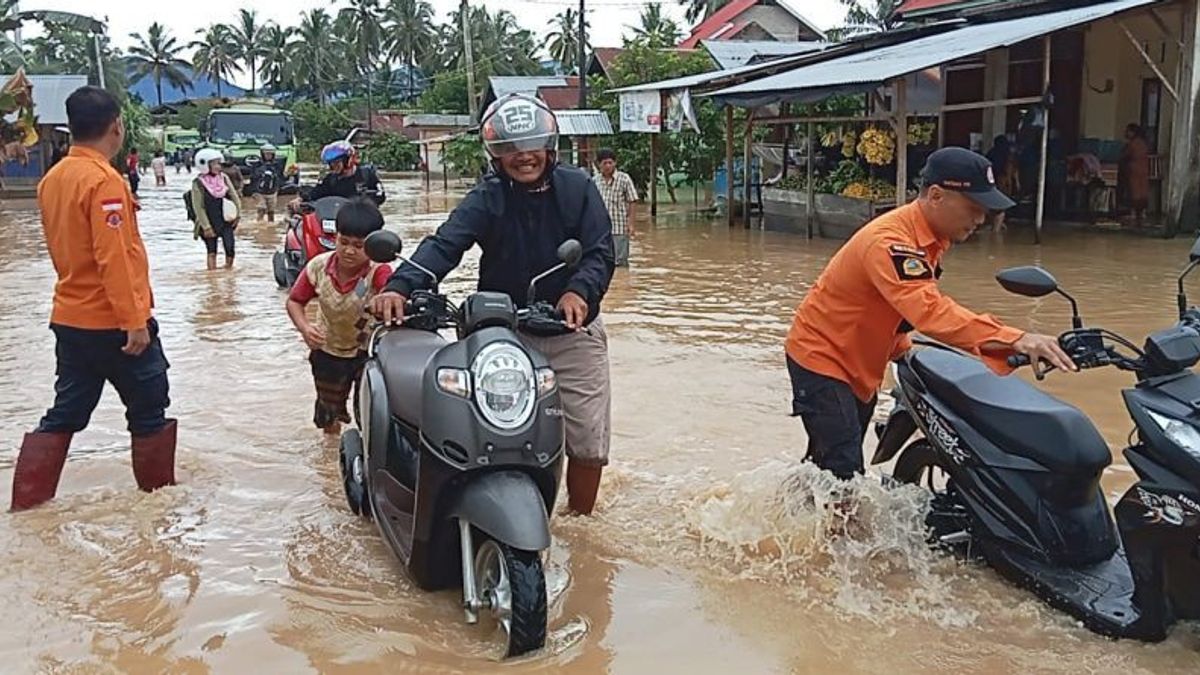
(711, 551)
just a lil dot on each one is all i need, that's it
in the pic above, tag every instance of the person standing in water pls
(211, 190)
(159, 166)
(619, 195)
(1134, 171)
(133, 170)
(102, 318)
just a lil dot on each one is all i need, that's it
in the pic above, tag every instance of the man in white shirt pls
(619, 195)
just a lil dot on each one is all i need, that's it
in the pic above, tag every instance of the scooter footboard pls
(507, 506)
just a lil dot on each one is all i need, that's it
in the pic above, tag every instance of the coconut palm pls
(276, 56)
(563, 41)
(313, 58)
(867, 16)
(216, 54)
(248, 33)
(413, 34)
(157, 55)
(656, 31)
(699, 10)
(362, 24)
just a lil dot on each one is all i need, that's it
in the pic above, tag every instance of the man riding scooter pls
(265, 181)
(519, 215)
(346, 177)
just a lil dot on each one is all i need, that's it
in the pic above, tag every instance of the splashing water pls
(857, 542)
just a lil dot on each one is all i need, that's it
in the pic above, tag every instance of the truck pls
(243, 128)
(174, 137)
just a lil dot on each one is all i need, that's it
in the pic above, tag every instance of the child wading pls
(343, 282)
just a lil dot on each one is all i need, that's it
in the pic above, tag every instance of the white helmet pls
(206, 155)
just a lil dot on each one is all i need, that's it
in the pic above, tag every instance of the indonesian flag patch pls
(112, 209)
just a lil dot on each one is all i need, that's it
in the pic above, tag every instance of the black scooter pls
(1015, 473)
(459, 448)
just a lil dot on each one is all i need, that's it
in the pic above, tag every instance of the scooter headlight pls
(505, 385)
(1179, 432)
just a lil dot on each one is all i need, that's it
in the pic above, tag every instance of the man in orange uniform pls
(102, 319)
(883, 284)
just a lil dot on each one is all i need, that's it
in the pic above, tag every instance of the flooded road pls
(706, 556)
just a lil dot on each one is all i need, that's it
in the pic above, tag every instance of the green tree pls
(317, 125)
(563, 41)
(216, 54)
(695, 154)
(157, 55)
(136, 121)
(499, 45)
(656, 30)
(67, 50)
(413, 35)
(446, 94)
(276, 57)
(248, 34)
(362, 27)
(393, 152)
(464, 155)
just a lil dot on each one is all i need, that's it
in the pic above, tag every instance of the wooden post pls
(900, 112)
(729, 165)
(428, 167)
(445, 170)
(653, 175)
(1041, 194)
(941, 130)
(747, 175)
(809, 207)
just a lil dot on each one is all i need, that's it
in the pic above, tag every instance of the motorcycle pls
(458, 450)
(1015, 473)
(310, 232)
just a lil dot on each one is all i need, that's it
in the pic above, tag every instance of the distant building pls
(754, 20)
(50, 94)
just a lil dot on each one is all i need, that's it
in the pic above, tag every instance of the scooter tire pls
(527, 588)
(914, 460)
(279, 265)
(352, 462)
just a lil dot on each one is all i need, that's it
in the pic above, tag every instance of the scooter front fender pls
(507, 506)
(899, 427)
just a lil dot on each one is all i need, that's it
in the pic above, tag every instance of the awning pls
(689, 81)
(583, 123)
(869, 69)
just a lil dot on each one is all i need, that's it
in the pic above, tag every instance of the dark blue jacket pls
(519, 234)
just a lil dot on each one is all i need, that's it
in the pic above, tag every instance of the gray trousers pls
(621, 249)
(580, 363)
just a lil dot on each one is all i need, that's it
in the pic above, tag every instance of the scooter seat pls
(403, 355)
(1016, 416)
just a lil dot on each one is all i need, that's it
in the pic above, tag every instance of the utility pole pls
(582, 56)
(465, 16)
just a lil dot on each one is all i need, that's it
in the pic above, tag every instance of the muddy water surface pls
(709, 553)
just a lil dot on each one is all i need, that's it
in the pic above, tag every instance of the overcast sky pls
(609, 18)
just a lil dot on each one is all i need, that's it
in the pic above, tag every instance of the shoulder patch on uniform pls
(113, 219)
(903, 249)
(911, 268)
(112, 204)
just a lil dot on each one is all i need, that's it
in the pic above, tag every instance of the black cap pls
(970, 173)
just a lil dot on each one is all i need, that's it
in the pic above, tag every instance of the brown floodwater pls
(707, 554)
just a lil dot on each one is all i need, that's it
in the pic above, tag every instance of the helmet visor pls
(503, 148)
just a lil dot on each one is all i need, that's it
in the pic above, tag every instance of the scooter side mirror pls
(383, 246)
(1030, 281)
(570, 253)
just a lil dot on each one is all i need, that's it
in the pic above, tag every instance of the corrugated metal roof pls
(734, 53)
(865, 70)
(516, 84)
(436, 120)
(689, 81)
(50, 94)
(583, 123)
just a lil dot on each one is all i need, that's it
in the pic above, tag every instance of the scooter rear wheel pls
(513, 584)
(948, 519)
(352, 462)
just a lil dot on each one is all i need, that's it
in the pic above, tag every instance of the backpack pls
(187, 203)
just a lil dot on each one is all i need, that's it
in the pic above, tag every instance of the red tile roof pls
(561, 98)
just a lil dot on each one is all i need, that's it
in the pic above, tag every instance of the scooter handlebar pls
(1018, 361)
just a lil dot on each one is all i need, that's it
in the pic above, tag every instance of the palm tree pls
(866, 16)
(313, 61)
(699, 10)
(157, 55)
(413, 34)
(563, 40)
(248, 33)
(656, 31)
(216, 54)
(276, 56)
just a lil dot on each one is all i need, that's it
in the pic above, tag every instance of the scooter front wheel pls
(512, 584)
